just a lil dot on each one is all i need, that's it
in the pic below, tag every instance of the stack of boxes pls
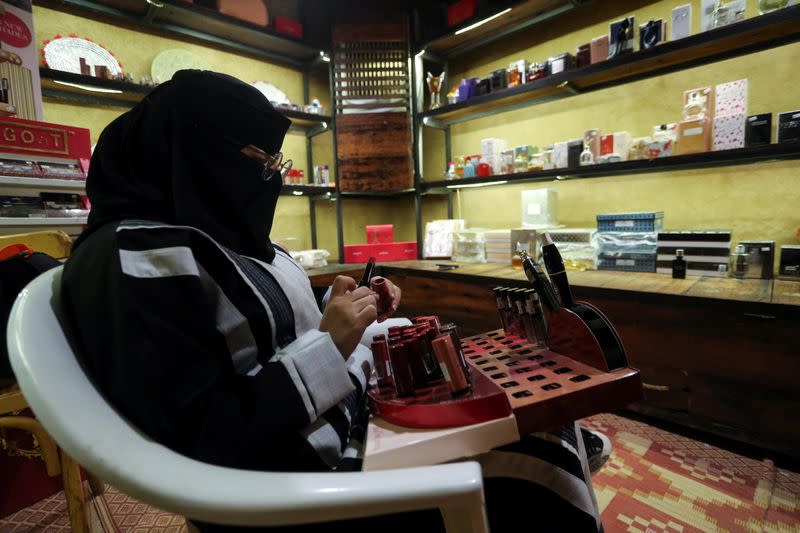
(498, 244)
(381, 246)
(491, 153)
(628, 241)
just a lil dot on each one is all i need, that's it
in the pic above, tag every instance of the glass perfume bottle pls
(469, 169)
(679, 265)
(459, 167)
(768, 6)
(739, 264)
(517, 259)
(451, 171)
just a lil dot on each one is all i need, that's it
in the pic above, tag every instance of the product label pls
(626, 262)
(692, 131)
(624, 223)
(445, 373)
(14, 31)
(534, 209)
(34, 138)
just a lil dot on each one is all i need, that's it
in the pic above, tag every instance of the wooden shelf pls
(43, 183)
(740, 156)
(208, 26)
(758, 33)
(522, 15)
(42, 221)
(378, 194)
(307, 190)
(89, 90)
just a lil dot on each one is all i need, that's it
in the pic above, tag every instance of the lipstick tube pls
(452, 330)
(383, 367)
(450, 365)
(427, 334)
(403, 381)
(380, 286)
(534, 308)
(416, 352)
(514, 325)
(525, 318)
(502, 306)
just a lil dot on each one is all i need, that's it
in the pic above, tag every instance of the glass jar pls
(460, 167)
(768, 6)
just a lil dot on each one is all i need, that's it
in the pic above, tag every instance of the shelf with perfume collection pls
(739, 156)
(751, 35)
(210, 27)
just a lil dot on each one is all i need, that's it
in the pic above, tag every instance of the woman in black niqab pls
(176, 158)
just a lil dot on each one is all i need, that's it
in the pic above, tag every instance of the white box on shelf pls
(729, 132)
(560, 155)
(622, 141)
(731, 98)
(681, 22)
(539, 208)
(492, 146)
(707, 14)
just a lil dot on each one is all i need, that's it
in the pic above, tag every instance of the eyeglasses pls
(276, 165)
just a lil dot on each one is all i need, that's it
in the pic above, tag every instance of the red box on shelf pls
(461, 11)
(394, 251)
(380, 234)
(289, 27)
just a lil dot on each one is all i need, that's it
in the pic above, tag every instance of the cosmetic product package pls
(664, 139)
(731, 98)
(598, 49)
(622, 140)
(438, 243)
(640, 242)
(577, 246)
(758, 129)
(21, 206)
(466, 89)
(450, 365)
(621, 37)
(252, 11)
(498, 244)
(380, 234)
(19, 69)
(626, 261)
(790, 262)
(483, 87)
(583, 55)
(539, 209)
(704, 251)
(729, 132)
(681, 22)
(560, 63)
(498, 80)
(789, 126)
(524, 239)
(644, 221)
(574, 150)
(699, 101)
(560, 155)
(395, 251)
(607, 144)
(469, 246)
(707, 14)
(652, 33)
(760, 258)
(638, 148)
(694, 136)
(288, 26)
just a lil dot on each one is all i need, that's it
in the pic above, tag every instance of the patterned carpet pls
(655, 482)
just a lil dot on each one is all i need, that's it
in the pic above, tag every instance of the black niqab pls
(176, 158)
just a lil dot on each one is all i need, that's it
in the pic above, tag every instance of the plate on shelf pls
(273, 94)
(65, 53)
(168, 62)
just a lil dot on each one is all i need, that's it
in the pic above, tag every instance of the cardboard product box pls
(731, 98)
(622, 141)
(694, 136)
(395, 251)
(598, 49)
(561, 154)
(252, 11)
(380, 234)
(23, 97)
(789, 126)
(790, 262)
(729, 132)
(758, 129)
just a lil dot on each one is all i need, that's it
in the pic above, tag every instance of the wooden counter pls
(717, 354)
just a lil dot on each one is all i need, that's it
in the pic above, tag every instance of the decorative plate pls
(168, 62)
(273, 94)
(64, 53)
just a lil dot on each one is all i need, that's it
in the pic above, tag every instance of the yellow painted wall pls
(755, 201)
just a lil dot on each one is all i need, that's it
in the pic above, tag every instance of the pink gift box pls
(729, 132)
(731, 98)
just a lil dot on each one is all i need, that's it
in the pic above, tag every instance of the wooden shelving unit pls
(751, 35)
(741, 156)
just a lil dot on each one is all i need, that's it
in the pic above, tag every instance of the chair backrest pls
(81, 421)
(51, 242)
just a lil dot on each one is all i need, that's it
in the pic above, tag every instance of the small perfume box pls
(622, 141)
(760, 257)
(694, 136)
(758, 129)
(560, 63)
(706, 91)
(681, 22)
(560, 155)
(790, 262)
(607, 144)
(789, 126)
(599, 49)
(574, 149)
(729, 132)
(731, 98)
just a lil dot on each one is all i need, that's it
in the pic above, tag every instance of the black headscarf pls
(176, 158)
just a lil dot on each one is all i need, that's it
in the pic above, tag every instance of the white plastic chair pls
(96, 436)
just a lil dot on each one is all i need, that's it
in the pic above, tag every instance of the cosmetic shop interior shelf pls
(739, 156)
(307, 190)
(751, 35)
(90, 90)
(42, 221)
(186, 20)
(77, 186)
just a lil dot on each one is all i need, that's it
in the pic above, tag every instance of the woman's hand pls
(348, 313)
(392, 306)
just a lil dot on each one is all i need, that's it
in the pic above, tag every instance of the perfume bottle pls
(469, 169)
(451, 171)
(459, 167)
(739, 262)
(516, 259)
(768, 6)
(483, 168)
(679, 265)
